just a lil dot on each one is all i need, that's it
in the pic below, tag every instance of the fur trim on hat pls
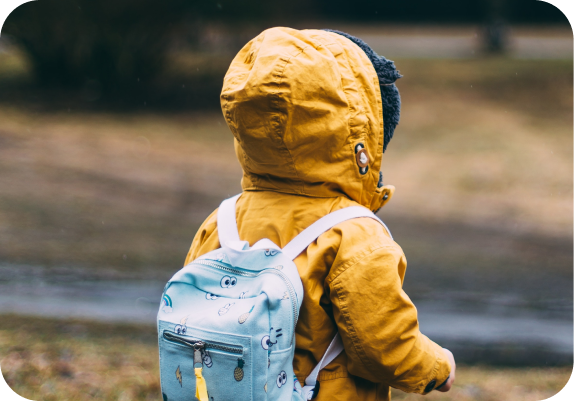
(388, 74)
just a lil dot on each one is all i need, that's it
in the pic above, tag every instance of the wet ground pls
(480, 327)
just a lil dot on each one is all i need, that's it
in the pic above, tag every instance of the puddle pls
(124, 301)
(475, 333)
(507, 336)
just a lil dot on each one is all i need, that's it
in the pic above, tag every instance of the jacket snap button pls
(386, 196)
(362, 158)
(430, 386)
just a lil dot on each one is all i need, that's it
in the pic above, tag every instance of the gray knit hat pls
(388, 74)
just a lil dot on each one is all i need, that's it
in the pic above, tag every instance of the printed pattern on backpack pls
(226, 322)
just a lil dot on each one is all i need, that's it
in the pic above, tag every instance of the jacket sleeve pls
(375, 317)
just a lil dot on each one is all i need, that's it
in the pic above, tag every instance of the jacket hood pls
(306, 112)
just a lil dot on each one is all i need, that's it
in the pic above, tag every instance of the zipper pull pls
(200, 384)
(197, 358)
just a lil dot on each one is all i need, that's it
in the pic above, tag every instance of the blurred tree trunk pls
(495, 34)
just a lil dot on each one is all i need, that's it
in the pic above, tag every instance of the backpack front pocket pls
(281, 382)
(224, 359)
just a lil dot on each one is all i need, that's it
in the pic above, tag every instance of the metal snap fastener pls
(362, 158)
(386, 196)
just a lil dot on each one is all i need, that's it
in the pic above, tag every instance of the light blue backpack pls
(226, 323)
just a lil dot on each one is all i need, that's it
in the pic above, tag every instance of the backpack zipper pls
(228, 269)
(198, 345)
(292, 294)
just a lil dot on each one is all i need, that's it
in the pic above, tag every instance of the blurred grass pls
(481, 383)
(70, 360)
(485, 143)
(107, 190)
(77, 360)
(527, 86)
(482, 162)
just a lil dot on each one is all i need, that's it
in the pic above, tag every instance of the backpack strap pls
(227, 222)
(227, 225)
(325, 223)
(298, 245)
(227, 230)
(311, 388)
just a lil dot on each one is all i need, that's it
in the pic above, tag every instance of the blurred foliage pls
(104, 45)
(118, 46)
(440, 11)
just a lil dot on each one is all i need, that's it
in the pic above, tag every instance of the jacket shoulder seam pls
(333, 275)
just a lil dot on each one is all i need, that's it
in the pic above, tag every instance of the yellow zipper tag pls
(200, 385)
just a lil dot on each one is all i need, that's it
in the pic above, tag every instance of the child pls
(312, 112)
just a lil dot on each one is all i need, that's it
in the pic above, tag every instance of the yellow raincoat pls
(298, 103)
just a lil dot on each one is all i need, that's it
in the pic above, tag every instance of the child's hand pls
(444, 388)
